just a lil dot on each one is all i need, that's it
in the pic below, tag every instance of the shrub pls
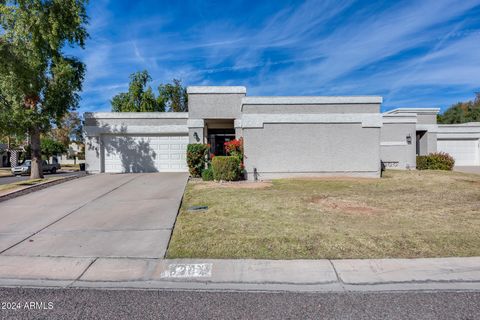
(196, 158)
(207, 174)
(435, 161)
(226, 168)
(235, 148)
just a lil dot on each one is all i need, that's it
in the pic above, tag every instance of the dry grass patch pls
(15, 186)
(199, 185)
(405, 214)
(5, 172)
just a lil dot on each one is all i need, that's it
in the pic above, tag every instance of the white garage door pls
(127, 153)
(465, 152)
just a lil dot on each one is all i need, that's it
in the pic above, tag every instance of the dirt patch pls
(346, 206)
(233, 185)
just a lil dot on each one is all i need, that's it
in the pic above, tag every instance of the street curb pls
(30, 189)
(369, 275)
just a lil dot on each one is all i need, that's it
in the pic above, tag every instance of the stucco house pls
(283, 136)
(407, 132)
(71, 157)
(4, 158)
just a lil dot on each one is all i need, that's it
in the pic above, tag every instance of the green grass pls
(406, 214)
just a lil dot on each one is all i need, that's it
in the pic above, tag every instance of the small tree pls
(68, 130)
(51, 147)
(174, 96)
(139, 98)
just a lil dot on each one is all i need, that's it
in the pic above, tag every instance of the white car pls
(24, 168)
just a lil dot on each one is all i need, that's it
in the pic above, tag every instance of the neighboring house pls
(71, 157)
(462, 141)
(408, 132)
(283, 136)
(4, 161)
(9, 157)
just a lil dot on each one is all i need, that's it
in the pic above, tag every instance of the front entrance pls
(217, 139)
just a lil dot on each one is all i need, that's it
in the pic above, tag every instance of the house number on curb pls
(188, 270)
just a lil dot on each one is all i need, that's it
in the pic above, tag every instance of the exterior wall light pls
(409, 139)
(195, 135)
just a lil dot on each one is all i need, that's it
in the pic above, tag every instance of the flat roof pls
(312, 100)
(216, 89)
(136, 115)
(414, 110)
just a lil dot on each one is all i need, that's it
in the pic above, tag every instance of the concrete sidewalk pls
(276, 275)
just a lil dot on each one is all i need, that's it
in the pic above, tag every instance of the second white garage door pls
(465, 152)
(128, 153)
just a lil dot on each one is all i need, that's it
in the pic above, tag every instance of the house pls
(283, 136)
(4, 159)
(462, 141)
(10, 156)
(71, 157)
(408, 132)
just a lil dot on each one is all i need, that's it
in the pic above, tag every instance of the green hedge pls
(435, 161)
(196, 158)
(207, 174)
(226, 168)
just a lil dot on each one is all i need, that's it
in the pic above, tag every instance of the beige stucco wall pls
(395, 151)
(214, 105)
(296, 149)
(311, 108)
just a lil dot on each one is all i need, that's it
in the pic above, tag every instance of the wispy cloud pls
(421, 53)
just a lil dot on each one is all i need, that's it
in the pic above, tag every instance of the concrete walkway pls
(100, 216)
(205, 274)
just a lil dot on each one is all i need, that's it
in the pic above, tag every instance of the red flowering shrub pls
(234, 148)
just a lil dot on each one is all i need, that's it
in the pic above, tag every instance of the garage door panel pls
(465, 152)
(128, 153)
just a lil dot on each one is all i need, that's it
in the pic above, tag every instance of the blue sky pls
(418, 53)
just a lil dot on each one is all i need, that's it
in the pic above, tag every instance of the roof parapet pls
(312, 100)
(216, 89)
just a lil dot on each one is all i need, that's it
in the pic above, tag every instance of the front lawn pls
(406, 214)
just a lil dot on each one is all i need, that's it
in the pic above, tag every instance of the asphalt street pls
(7, 180)
(140, 304)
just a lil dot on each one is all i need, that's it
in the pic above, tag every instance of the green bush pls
(435, 161)
(196, 158)
(226, 168)
(207, 174)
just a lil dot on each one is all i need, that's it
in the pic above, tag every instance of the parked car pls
(24, 168)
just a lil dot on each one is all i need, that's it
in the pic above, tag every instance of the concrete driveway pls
(106, 215)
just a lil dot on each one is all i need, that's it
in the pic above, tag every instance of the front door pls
(217, 139)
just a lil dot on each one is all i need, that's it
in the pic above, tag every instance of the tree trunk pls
(36, 171)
